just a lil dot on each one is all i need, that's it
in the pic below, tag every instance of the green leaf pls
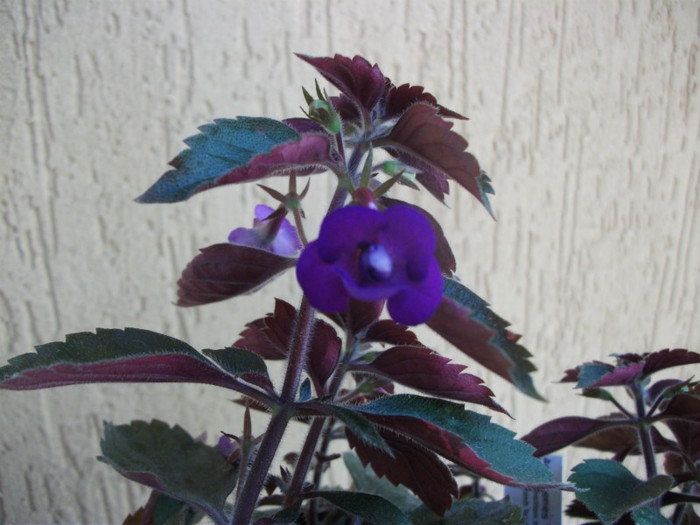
(471, 511)
(170, 461)
(111, 356)
(369, 507)
(488, 440)
(237, 361)
(360, 426)
(607, 488)
(366, 480)
(648, 515)
(219, 148)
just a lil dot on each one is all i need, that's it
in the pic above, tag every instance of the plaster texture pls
(586, 114)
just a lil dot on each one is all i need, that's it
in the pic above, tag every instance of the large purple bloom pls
(372, 255)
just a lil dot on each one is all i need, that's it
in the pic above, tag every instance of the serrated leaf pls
(369, 507)
(269, 338)
(360, 425)
(423, 140)
(609, 489)
(111, 356)
(365, 480)
(219, 148)
(222, 271)
(564, 431)
(461, 436)
(415, 467)
(472, 511)
(466, 321)
(170, 461)
(427, 371)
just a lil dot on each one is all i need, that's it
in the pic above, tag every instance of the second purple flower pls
(372, 255)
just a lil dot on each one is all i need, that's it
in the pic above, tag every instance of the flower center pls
(375, 262)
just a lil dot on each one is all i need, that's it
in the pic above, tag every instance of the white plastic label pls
(540, 507)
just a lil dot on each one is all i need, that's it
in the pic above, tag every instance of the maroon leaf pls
(423, 140)
(466, 321)
(412, 466)
(421, 368)
(390, 332)
(622, 441)
(269, 338)
(222, 271)
(399, 99)
(565, 431)
(355, 77)
(358, 315)
(112, 356)
(667, 358)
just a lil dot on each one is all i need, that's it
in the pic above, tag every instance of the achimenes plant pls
(342, 357)
(661, 417)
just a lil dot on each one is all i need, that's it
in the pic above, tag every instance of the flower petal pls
(344, 229)
(320, 281)
(415, 305)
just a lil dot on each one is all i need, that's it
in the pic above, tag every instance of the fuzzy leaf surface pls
(170, 461)
(461, 436)
(219, 148)
(427, 371)
(466, 321)
(610, 490)
(369, 507)
(414, 467)
(111, 356)
(365, 480)
(222, 271)
(423, 140)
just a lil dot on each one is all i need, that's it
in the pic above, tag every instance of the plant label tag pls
(540, 507)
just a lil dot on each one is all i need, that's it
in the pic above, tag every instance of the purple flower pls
(274, 234)
(372, 255)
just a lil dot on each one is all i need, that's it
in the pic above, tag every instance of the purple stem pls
(299, 347)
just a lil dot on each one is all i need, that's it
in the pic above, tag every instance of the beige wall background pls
(586, 115)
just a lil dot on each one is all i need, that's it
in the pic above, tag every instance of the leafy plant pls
(664, 419)
(417, 457)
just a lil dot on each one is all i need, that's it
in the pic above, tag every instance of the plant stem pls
(644, 430)
(298, 350)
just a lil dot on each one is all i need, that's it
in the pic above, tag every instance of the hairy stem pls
(255, 479)
(644, 430)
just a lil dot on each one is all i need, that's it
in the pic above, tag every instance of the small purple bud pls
(375, 262)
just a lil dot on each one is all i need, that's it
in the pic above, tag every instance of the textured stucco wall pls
(584, 113)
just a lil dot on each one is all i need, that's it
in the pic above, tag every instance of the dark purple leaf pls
(356, 78)
(358, 315)
(466, 321)
(269, 338)
(219, 148)
(390, 332)
(421, 368)
(687, 433)
(399, 99)
(667, 358)
(423, 140)
(222, 271)
(565, 431)
(115, 356)
(412, 466)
